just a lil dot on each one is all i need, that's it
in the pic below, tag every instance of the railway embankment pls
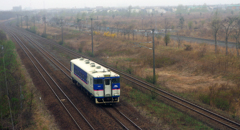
(21, 106)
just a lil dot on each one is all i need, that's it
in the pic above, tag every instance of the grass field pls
(197, 74)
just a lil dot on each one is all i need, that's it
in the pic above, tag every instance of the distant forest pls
(4, 15)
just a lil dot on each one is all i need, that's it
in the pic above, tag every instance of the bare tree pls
(117, 24)
(124, 32)
(228, 26)
(215, 26)
(166, 25)
(26, 18)
(237, 34)
(129, 30)
(44, 20)
(142, 34)
(179, 40)
(129, 10)
(33, 20)
(79, 23)
(98, 24)
(104, 23)
(181, 22)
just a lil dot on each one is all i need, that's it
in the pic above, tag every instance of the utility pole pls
(142, 23)
(44, 19)
(62, 29)
(17, 21)
(153, 58)
(21, 21)
(34, 21)
(27, 21)
(92, 35)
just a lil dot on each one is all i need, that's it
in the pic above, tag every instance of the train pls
(99, 82)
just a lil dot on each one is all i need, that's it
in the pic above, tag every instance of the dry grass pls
(177, 69)
(42, 118)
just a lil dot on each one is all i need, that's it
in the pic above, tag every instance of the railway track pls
(224, 122)
(119, 116)
(68, 105)
(107, 110)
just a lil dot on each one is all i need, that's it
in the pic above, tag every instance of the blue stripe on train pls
(107, 97)
(91, 93)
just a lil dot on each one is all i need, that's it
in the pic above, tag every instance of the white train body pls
(99, 82)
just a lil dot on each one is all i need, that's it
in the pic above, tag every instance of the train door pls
(107, 88)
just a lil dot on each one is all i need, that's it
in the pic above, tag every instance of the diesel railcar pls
(102, 84)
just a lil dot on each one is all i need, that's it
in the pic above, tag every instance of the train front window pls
(98, 81)
(107, 81)
(115, 80)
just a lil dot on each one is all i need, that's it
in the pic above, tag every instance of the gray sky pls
(41, 4)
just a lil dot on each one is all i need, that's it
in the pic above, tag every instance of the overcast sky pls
(41, 4)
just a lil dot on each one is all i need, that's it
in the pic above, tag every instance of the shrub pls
(153, 94)
(44, 35)
(205, 99)
(89, 53)
(149, 78)
(33, 29)
(60, 43)
(2, 35)
(80, 49)
(129, 70)
(167, 38)
(188, 47)
(203, 50)
(190, 25)
(222, 103)
(219, 96)
(159, 37)
(161, 61)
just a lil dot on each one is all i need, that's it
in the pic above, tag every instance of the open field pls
(188, 69)
(198, 70)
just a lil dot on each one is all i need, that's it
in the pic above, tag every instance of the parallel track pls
(61, 67)
(223, 121)
(41, 69)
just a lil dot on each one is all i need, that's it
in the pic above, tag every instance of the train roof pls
(94, 69)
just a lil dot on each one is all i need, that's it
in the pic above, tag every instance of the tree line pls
(230, 26)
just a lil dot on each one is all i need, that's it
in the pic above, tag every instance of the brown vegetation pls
(181, 66)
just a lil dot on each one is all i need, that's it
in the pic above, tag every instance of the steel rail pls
(60, 89)
(127, 118)
(32, 41)
(47, 82)
(127, 76)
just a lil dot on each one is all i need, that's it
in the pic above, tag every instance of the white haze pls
(46, 4)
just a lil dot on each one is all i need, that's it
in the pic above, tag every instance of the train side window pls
(115, 80)
(98, 81)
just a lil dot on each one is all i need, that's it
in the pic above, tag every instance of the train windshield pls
(98, 81)
(115, 80)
